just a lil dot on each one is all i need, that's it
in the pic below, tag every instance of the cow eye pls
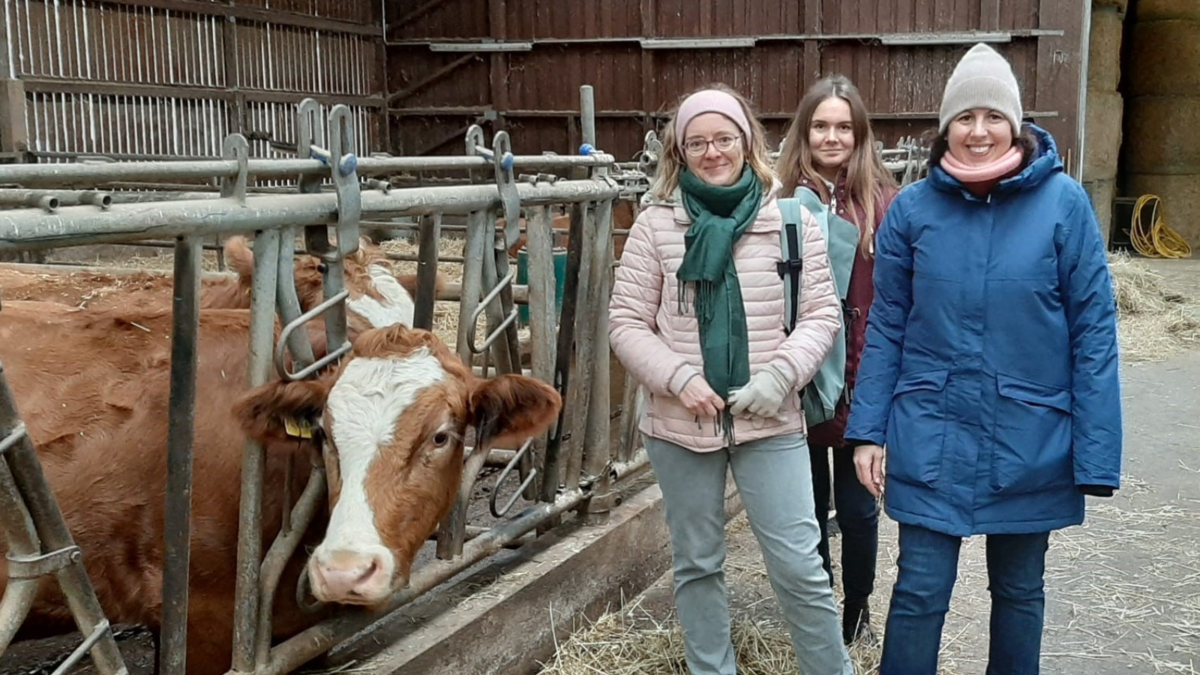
(441, 438)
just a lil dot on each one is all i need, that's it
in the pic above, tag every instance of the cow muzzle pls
(352, 577)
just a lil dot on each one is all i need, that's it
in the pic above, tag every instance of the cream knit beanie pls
(982, 79)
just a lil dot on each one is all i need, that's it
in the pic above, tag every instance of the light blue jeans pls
(775, 484)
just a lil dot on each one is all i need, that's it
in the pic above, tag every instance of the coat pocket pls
(1032, 449)
(917, 428)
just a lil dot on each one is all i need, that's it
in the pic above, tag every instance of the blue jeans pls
(928, 566)
(774, 481)
(858, 519)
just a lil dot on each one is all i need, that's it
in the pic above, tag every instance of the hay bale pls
(1154, 320)
(1181, 200)
(1103, 128)
(1104, 48)
(1151, 10)
(1164, 58)
(1162, 135)
(1102, 193)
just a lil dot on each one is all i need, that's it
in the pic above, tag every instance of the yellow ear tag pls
(299, 428)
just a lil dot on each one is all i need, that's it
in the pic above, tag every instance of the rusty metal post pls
(480, 235)
(427, 269)
(185, 334)
(597, 447)
(543, 320)
(578, 401)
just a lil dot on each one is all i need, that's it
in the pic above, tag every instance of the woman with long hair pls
(830, 150)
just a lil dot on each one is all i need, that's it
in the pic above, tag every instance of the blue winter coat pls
(990, 371)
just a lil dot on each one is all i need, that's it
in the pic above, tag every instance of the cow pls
(377, 297)
(389, 425)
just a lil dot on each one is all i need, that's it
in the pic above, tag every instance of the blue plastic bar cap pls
(586, 149)
(349, 164)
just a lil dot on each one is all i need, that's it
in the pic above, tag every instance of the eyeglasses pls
(695, 147)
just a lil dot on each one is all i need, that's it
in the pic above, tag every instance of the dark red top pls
(858, 302)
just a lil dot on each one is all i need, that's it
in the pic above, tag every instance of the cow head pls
(378, 296)
(392, 420)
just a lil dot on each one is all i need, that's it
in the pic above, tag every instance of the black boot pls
(856, 624)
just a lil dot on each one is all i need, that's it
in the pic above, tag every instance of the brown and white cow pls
(93, 388)
(378, 297)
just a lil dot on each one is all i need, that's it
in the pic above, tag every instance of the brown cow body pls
(94, 394)
(93, 389)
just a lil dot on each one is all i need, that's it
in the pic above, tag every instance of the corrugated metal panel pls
(356, 11)
(125, 125)
(283, 58)
(97, 74)
(115, 43)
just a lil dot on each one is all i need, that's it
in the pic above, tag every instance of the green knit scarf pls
(720, 214)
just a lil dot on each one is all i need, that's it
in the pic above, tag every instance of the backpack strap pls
(792, 247)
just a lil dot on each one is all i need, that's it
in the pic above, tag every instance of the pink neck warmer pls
(1006, 164)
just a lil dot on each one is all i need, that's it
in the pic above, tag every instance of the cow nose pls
(350, 577)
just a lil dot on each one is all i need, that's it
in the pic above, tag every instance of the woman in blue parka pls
(990, 370)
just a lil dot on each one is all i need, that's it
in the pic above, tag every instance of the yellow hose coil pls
(1156, 240)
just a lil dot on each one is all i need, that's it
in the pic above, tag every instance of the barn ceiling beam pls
(896, 39)
(256, 15)
(64, 86)
(451, 111)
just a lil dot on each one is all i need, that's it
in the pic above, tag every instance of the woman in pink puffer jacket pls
(697, 317)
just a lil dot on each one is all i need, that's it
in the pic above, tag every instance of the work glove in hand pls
(763, 395)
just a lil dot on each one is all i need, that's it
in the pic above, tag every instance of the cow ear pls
(239, 257)
(280, 410)
(510, 408)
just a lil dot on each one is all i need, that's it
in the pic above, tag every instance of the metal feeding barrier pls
(572, 468)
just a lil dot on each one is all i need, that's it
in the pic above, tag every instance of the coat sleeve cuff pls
(680, 379)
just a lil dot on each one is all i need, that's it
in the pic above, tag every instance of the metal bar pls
(480, 236)
(309, 644)
(471, 111)
(101, 630)
(288, 303)
(27, 229)
(35, 175)
(19, 594)
(525, 483)
(185, 333)
(333, 355)
(53, 534)
(427, 269)
(553, 472)
(950, 37)
(281, 551)
(262, 338)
